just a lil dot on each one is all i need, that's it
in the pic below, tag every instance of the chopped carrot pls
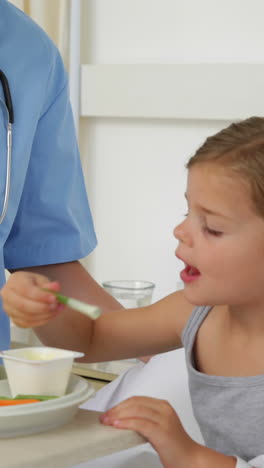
(9, 402)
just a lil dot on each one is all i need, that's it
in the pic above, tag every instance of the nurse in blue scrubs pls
(47, 226)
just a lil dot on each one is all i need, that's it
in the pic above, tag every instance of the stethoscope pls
(10, 116)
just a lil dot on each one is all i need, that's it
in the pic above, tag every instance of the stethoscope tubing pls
(10, 113)
(8, 172)
(7, 95)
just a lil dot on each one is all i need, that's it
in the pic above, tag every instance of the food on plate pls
(11, 401)
(37, 397)
(24, 399)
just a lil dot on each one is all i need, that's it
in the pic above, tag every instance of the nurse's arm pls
(118, 334)
(69, 328)
(115, 335)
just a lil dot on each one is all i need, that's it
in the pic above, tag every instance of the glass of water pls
(130, 293)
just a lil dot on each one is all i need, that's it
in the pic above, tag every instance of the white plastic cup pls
(38, 370)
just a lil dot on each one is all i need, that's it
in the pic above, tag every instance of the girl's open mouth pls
(189, 274)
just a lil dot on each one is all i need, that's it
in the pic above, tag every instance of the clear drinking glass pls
(179, 285)
(130, 293)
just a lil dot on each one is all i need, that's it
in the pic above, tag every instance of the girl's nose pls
(182, 233)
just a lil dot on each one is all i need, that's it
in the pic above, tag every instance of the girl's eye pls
(212, 232)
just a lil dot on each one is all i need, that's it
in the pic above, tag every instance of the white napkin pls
(164, 377)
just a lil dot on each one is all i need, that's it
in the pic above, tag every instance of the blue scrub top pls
(48, 218)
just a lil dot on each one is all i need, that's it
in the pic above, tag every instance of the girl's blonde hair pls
(239, 148)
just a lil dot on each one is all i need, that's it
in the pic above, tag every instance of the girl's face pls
(221, 241)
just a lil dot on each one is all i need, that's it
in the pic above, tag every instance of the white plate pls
(22, 420)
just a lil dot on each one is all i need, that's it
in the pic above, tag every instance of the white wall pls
(135, 167)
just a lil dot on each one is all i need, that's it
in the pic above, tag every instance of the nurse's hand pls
(26, 303)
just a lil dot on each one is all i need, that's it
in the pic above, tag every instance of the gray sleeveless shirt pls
(229, 410)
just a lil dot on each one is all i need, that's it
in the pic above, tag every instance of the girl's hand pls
(26, 303)
(157, 421)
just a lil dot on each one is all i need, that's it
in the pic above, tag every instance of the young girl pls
(221, 242)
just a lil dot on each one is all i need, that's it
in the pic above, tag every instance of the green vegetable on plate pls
(29, 397)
